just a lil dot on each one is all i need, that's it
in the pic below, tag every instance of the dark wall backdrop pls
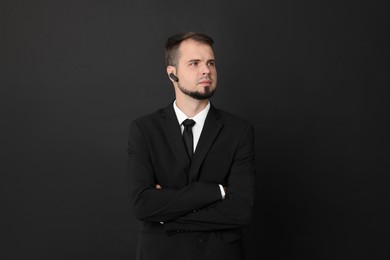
(311, 75)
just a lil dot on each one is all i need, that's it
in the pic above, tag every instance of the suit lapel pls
(211, 128)
(173, 133)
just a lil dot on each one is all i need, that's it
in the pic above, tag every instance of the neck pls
(191, 106)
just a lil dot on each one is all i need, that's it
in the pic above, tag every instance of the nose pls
(205, 69)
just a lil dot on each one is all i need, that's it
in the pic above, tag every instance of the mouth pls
(205, 82)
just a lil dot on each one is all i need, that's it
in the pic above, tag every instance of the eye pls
(194, 63)
(211, 63)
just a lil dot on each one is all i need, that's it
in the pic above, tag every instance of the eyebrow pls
(194, 60)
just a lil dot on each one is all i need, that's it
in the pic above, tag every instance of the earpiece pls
(173, 77)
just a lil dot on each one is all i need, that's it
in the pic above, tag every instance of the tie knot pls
(188, 122)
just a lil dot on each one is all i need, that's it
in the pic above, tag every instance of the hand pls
(158, 186)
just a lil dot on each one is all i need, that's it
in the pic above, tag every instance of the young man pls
(191, 165)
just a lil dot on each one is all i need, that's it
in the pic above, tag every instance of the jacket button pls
(199, 241)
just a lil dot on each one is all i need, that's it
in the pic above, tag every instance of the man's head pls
(190, 58)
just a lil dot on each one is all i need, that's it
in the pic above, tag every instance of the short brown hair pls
(173, 43)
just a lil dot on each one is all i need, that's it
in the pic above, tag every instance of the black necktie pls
(188, 137)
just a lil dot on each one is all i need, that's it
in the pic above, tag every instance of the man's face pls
(196, 70)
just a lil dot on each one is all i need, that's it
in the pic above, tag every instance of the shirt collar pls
(198, 118)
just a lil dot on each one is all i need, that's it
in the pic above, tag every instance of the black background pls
(311, 75)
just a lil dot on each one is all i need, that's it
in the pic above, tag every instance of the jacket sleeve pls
(236, 210)
(161, 205)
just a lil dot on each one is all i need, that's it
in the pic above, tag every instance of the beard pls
(208, 93)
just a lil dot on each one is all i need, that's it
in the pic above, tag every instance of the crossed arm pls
(223, 189)
(197, 206)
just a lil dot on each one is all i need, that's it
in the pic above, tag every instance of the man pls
(191, 166)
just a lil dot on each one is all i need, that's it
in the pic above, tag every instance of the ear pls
(171, 69)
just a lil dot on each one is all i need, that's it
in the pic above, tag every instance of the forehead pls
(190, 49)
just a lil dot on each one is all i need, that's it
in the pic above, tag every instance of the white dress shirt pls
(199, 119)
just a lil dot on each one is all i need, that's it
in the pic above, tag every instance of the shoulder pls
(232, 119)
(153, 121)
(235, 129)
(148, 117)
(153, 116)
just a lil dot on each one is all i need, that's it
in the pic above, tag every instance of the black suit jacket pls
(198, 224)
